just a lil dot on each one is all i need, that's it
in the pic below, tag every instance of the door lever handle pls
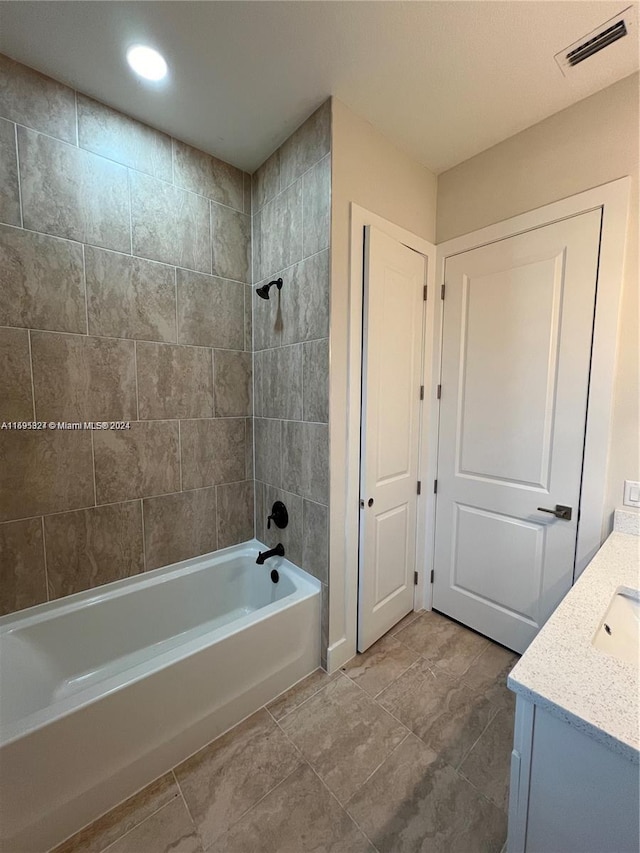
(563, 512)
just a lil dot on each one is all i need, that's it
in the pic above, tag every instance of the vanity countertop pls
(565, 674)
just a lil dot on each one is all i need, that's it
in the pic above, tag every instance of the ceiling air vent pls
(595, 41)
(591, 46)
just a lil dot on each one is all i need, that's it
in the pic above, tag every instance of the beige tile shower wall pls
(125, 295)
(291, 235)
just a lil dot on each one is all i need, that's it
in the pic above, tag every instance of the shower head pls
(263, 292)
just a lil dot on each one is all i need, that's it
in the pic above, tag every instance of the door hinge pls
(419, 486)
(424, 293)
(415, 579)
(435, 487)
(422, 392)
(432, 575)
(442, 289)
(439, 392)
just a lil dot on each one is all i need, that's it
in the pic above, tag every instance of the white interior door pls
(394, 278)
(517, 333)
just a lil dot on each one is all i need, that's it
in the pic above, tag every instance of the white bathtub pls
(105, 690)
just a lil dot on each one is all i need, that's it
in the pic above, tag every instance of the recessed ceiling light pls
(147, 62)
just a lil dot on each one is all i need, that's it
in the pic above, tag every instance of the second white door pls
(518, 320)
(391, 375)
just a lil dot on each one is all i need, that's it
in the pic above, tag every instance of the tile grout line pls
(379, 704)
(283, 270)
(279, 160)
(466, 754)
(406, 645)
(33, 385)
(324, 784)
(44, 556)
(293, 344)
(85, 335)
(77, 122)
(144, 174)
(473, 660)
(480, 792)
(373, 772)
(175, 291)
(455, 768)
(251, 807)
(397, 678)
(125, 254)
(135, 365)
(282, 189)
(459, 682)
(290, 421)
(15, 133)
(49, 136)
(144, 542)
(93, 471)
(210, 225)
(130, 203)
(302, 240)
(124, 501)
(319, 690)
(213, 383)
(115, 841)
(215, 530)
(184, 800)
(322, 686)
(370, 776)
(132, 254)
(288, 492)
(86, 295)
(417, 613)
(180, 460)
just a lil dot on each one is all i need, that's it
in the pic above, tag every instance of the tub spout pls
(278, 551)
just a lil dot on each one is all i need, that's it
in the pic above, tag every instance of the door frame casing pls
(613, 197)
(346, 588)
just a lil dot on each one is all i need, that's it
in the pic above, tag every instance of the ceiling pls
(444, 80)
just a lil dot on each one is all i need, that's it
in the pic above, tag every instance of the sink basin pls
(619, 632)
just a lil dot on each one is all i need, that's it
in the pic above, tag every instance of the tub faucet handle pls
(279, 515)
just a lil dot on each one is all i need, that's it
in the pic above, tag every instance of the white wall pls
(588, 144)
(369, 170)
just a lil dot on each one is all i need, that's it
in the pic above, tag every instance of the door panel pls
(509, 337)
(391, 375)
(395, 379)
(488, 545)
(392, 529)
(517, 329)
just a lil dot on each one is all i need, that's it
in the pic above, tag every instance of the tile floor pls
(405, 749)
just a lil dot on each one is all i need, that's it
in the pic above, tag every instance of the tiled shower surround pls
(291, 233)
(125, 295)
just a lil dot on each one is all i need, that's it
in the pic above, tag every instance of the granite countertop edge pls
(563, 673)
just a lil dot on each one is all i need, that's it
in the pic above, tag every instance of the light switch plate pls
(631, 493)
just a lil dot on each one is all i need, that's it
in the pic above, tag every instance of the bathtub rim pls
(114, 589)
(306, 586)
